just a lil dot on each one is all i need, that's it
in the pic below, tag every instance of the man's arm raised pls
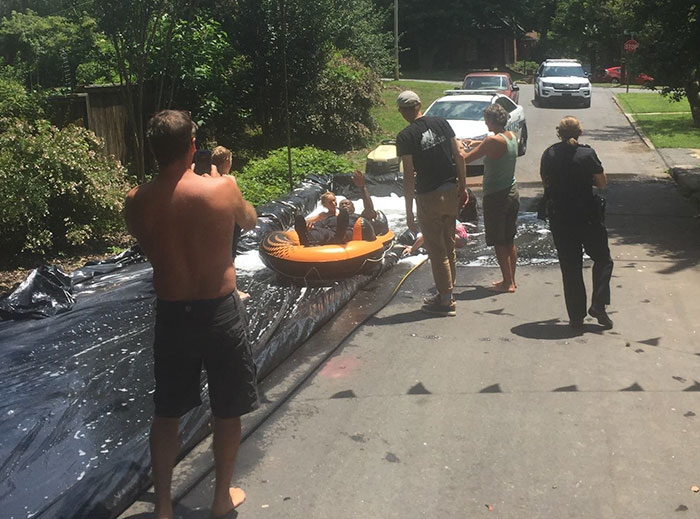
(359, 180)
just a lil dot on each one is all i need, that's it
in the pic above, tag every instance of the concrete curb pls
(687, 178)
(637, 129)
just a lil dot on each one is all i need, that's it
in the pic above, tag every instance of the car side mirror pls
(515, 87)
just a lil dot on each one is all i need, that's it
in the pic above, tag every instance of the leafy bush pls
(14, 100)
(266, 179)
(338, 116)
(56, 189)
(525, 67)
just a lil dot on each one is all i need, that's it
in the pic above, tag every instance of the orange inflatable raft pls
(282, 252)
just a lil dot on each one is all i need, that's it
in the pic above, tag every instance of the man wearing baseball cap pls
(434, 169)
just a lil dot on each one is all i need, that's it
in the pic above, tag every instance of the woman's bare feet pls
(236, 498)
(501, 287)
(501, 283)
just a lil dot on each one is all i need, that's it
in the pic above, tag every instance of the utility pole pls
(286, 94)
(396, 40)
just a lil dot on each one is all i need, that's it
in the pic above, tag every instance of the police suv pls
(564, 80)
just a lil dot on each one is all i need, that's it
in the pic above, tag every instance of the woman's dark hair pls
(569, 130)
(169, 134)
(496, 114)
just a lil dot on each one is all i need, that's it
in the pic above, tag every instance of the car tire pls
(615, 81)
(587, 103)
(538, 100)
(522, 143)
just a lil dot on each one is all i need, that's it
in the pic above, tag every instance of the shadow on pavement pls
(653, 213)
(402, 318)
(552, 330)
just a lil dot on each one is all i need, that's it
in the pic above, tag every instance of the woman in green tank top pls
(501, 201)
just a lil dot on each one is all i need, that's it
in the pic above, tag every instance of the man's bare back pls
(184, 222)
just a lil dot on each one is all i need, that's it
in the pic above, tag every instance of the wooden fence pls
(100, 109)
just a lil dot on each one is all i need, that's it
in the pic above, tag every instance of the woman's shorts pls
(207, 333)
(501, 215)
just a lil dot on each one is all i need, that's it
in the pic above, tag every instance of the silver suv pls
(562, 79)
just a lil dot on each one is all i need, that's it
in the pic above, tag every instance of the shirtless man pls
(184, 223)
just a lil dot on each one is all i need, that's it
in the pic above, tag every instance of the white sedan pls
(464, 109)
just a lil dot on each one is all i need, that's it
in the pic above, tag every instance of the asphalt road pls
(605, 128)
(503, 411)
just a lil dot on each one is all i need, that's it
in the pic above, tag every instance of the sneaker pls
(432, 300)
(437, 308)
(602, 316)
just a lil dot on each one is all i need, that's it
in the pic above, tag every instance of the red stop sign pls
(631, 45)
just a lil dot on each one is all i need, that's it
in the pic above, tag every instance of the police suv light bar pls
(483, 92)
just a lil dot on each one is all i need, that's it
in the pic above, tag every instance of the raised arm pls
(359, 180)
(461, 171)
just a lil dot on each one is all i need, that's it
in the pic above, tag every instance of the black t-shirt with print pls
(429, 141)
(567, 172)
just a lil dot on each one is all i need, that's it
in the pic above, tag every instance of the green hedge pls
(57, 191)
(266, 179)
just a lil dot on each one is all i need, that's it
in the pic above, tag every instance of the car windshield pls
(553, 71)
(460, 110)
(483, 83)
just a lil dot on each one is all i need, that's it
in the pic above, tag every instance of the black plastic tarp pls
(77, 384)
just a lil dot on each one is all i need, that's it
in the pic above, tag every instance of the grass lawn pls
(667, 124)
(388, 117)
(649, 102)
(670, 130)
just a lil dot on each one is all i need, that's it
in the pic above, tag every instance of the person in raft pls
(222, 158)
(184, 223)
(339, 229)
(461, 239)
(328, 201)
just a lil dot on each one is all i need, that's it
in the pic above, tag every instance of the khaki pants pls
(437, 212)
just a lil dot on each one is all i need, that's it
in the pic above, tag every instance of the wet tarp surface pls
(76, 384)
(76, 370)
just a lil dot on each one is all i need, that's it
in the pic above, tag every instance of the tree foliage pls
(140, 32)
(669, 36)
(587, 29)
(358, 27)
(57, 190)
(265, 179)
(338, 116)
(49, 47)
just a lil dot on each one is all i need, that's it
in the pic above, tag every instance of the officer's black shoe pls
(603, 318)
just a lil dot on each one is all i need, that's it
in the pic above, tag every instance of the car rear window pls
(483, 83)
(460, 110)
(554, 71)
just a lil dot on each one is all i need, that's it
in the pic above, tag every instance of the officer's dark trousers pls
(571, 240)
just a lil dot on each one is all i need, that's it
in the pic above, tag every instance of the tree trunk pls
(692, 91)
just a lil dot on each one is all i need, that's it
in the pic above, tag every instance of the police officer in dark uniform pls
(569, 171)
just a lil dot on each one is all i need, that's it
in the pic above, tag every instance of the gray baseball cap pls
(407, 98)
